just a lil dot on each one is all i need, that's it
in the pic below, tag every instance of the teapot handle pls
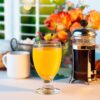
(14, 44)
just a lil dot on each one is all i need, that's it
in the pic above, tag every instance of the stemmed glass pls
(47, 59)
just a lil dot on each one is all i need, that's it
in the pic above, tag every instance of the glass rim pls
(47, 43)
(43, 41)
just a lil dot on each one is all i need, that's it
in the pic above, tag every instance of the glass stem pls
(48, 84)
(47, 87)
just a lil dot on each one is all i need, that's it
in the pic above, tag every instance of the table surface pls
(23, 89)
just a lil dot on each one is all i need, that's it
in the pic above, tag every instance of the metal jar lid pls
(84, 32)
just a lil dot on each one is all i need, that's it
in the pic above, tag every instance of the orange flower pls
(62, 35)
(58, 21)
(75, 26)
(65, 19)
(51, 21)
(76, 14)
(93, 19)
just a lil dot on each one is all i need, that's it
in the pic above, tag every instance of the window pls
(2, 27)
(27, 18)
(23, 18)
(46, 8)
(32, 16)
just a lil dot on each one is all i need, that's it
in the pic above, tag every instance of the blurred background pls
(22, 18)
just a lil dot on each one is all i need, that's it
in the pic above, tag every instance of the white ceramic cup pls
(17, 64)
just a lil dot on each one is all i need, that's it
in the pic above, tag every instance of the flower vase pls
(66, 64)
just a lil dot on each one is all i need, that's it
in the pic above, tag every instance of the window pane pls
(1, 18)
(23, 1)
(44, 1)
(48, 1)
(1, 9)
(46, 10)
(28, 17)
(1, 36)
(42, 20)
(28, 20)
(1, 1)
(24, 11)
(1, 27)
(27, 29)
(44, 30)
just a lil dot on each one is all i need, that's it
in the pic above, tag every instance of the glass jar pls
(83, 52)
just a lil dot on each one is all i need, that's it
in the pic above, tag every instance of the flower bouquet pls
(63, 21)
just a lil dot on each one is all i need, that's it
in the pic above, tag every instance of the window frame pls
(13, 19)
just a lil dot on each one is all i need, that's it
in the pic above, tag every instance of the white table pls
(23, 89)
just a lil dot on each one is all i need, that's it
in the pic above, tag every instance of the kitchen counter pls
(23, 89)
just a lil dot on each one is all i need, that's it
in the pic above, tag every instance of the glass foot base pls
(47, 91)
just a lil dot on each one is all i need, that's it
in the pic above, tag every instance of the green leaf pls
(83, 7)
(70, 8)
(37, 38)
